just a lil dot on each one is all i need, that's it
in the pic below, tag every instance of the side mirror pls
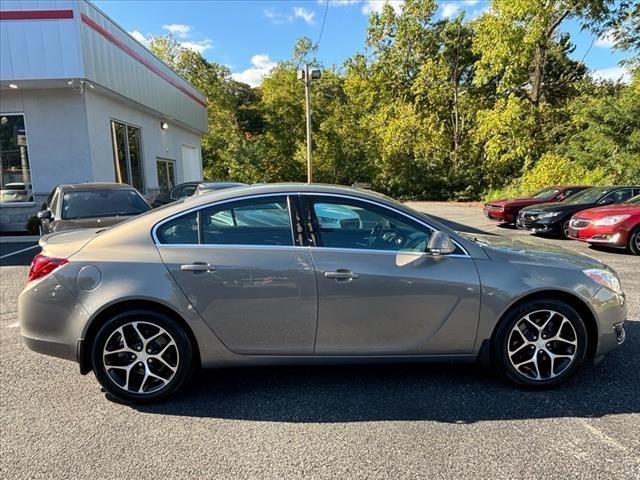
(606, 201)
(45, 214)
(440, 243)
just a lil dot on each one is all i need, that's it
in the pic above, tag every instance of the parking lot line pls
(19, 251)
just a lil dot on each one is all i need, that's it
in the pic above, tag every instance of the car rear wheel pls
(634, 241)
(141, 356)
(540, 344)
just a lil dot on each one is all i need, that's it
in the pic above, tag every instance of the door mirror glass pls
(440, 243)
(44, 215)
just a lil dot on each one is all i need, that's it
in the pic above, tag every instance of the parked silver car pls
(144, 302)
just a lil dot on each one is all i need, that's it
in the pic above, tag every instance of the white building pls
(81, 100)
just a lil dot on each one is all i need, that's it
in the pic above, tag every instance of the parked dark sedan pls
(182, 190)
(554, 218)
(90, 205)
(506, 211)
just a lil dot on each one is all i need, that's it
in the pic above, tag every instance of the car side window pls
(53, 205)
(346, 223)
(187, 191)
(618, 196)
(181, 231)
(263, 221)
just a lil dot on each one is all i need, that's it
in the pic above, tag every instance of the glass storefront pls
(15, 175)
(166, 174)
(127, 154)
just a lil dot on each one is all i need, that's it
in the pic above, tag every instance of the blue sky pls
(249, 36)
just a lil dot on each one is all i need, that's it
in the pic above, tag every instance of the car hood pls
(558, 207)
(599, 212)
(98, 222)
(533, 252)
(516, 202)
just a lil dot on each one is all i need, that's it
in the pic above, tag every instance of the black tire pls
(502, 339)
(634, 241)
(175, 365)
(564, 229)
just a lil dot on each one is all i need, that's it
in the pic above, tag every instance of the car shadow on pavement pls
(442, 393)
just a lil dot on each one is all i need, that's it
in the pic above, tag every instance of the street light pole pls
(307, 95)
(308, 75)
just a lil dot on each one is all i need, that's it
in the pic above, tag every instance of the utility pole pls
(308, 75)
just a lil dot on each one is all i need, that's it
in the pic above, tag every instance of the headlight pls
(611, 220)
(604, 278)
(549, 214)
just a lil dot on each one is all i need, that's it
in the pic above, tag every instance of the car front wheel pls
(634, 241)
(540, 344)
(141, 356)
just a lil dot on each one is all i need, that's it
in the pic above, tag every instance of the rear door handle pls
(341, 274)
(197, 267)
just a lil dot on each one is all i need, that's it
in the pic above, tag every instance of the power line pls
(324, 20)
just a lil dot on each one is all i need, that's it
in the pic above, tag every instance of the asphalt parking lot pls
(368, 422)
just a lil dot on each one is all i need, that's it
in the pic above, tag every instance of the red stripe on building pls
(35, 14)
(136, 56)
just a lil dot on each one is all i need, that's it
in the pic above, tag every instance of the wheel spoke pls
(556, 352)
(128, 379)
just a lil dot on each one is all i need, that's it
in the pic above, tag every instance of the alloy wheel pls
(140, 357)
(637, 242)
(542, 345)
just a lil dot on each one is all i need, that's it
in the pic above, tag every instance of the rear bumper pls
(51, 319)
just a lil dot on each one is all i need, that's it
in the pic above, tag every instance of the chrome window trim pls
(154, 230)
(391, 209)
(288, 194)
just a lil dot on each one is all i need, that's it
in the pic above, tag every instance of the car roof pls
(95, 186)
(205, 185)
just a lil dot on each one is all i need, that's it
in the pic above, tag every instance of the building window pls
(166, 174)
(15, 176)
(127, 154)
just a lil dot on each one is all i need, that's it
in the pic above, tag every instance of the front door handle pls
(341, 274)
(197, 267)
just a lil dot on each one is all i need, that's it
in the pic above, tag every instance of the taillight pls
(42, 265)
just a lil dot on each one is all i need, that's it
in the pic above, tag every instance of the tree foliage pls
(435, 108)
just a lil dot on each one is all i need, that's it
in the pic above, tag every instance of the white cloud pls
(612, 74)
(277, 17)
(605, 40)
(139, 37)
(199, 46)
(306, 15)
(178, 29)
(338, 3)
(449, 9)
(261, 65)
(376, 6)
(471, 2)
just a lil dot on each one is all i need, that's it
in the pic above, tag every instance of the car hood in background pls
(558, 207)
(619, 209)
(65, 244)
(533, 252)
(516, 202)
(100, 222)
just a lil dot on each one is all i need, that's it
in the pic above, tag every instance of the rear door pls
(246, 273)
(378, 291)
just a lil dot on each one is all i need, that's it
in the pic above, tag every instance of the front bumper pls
(609, 236)
(611, 314)
(545, 225)
(501, 216)
(51, 319)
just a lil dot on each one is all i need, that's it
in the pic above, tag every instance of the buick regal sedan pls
(203, 283)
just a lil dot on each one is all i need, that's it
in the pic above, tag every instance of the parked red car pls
(506, 211)
(612, 225)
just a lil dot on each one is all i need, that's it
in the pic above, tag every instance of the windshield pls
(102, 203)
(546, 194)
(591, 195)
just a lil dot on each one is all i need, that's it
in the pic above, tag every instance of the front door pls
(378, 292)
(240, 267)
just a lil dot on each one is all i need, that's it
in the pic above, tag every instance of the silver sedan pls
(309, 274)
